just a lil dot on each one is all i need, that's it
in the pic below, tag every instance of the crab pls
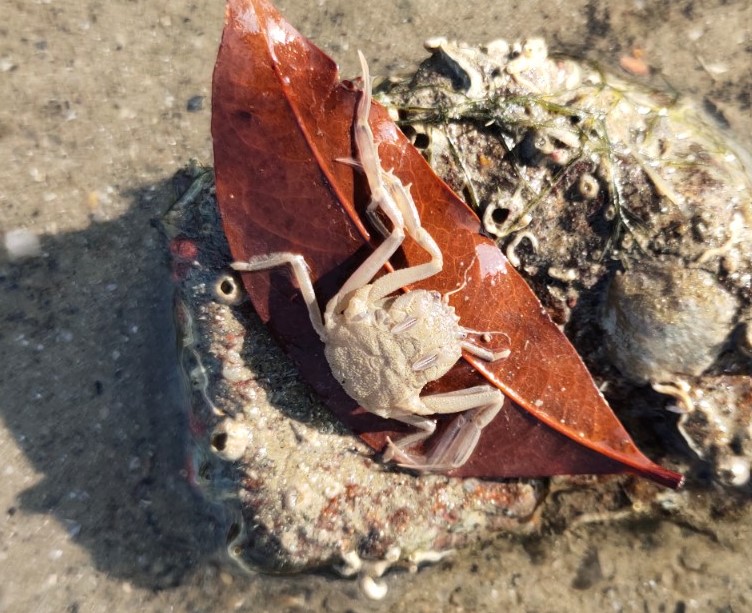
(384, 346)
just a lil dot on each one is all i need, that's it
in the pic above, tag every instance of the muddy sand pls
(103, 102)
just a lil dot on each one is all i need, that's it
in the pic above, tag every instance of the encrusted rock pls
(302, 491)
(627, 210)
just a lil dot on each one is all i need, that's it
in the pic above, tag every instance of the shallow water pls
(96, 514)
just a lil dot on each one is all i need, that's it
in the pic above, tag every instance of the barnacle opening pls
(227, 290)
(499, 215)
(422, 140)
(219, 441)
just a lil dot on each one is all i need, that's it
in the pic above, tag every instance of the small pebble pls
(195, 104)
(22, 243)
(226, 578)
(6, 64)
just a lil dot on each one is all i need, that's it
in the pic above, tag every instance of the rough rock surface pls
(627, 210)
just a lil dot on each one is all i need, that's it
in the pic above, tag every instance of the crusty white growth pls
(383, 346)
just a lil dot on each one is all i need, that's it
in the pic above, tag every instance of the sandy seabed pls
(102, 103)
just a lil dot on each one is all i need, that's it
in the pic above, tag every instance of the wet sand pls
(102, 104)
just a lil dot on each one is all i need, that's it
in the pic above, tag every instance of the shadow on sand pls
(92, 395)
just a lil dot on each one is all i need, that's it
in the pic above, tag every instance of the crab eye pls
(435, 295)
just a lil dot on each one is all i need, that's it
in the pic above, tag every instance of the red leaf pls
(280, 120)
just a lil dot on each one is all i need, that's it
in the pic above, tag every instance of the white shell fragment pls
(734, 470)
(22, 243)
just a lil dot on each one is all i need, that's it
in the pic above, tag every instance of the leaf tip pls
(663, 476)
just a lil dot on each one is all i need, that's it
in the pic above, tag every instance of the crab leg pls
(389, 195)
(302, 275)
(365, 273)
(386, 188)
(426, 427)
(483, 353)
(369, 157)
(455, 446)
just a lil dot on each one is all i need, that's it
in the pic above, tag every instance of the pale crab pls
(384, 346)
